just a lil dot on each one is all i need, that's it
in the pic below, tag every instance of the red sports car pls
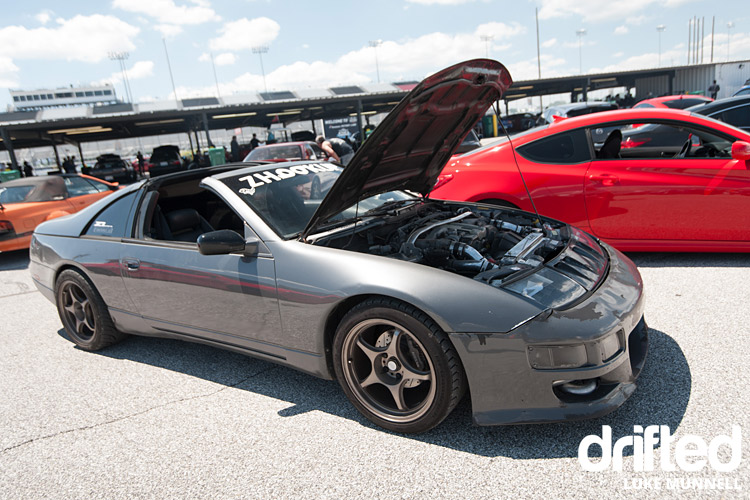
(678, 182)
(680, 101)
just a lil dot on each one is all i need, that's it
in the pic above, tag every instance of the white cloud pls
(225, 59)
(403, 60)
(529, 69)
(549, 43)
(621, 30)
(168, 30)
(595, 10)
(8, 72)
(244, 34)
(139, 70)
(167, 12)
(499, 30)
(44, 16)
(81, 38)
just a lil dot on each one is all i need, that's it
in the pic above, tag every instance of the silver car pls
(408, 302)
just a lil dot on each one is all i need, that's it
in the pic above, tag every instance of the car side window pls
(113, 220)
(319, 153)
(99, 186)
(657, 140)
(739, 116)
(78, 186)
(564, 148)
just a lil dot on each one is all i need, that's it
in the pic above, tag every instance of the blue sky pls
(46, 44)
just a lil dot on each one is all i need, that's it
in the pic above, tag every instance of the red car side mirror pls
(741, 150)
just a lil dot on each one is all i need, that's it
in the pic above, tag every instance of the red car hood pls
(410, 147)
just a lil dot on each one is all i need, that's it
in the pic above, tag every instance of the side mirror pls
(741, 150)
(222, 242)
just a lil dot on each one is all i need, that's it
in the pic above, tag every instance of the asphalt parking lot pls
(160, 418)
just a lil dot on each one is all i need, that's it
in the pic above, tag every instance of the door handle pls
(605, 179)
(131, 264)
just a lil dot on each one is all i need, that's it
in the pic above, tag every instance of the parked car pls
(732, 110)
(408, 302)
(667, 185)
(110, 167)
(519, 122)
(744, 90)
(680, 101)
(471, 141)
(27, 202)
(576, 109)
(165, 160)
(287, 151)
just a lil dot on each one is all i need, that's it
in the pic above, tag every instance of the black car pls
(112, 168)
(732, 110)
(165, 160)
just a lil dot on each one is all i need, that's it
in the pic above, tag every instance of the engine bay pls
(483, 242)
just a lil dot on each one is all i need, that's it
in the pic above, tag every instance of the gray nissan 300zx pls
(355, 274)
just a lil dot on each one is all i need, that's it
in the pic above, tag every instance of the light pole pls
(730, 25)
(218, 93)
(375, 44)
(169, 67)
(260, 50)
(660, 29)
(579, 34)
(121, 57)
(487, 39)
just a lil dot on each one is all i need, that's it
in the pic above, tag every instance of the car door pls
(230, 299)
(553, 169)
(652, 193)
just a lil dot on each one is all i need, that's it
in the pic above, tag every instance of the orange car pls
(25, 203)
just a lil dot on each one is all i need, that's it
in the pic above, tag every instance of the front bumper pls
(518, 377)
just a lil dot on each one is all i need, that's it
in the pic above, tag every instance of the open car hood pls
(410, 147)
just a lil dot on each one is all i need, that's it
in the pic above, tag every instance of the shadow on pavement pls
(657, 259)
(15, 260)
(661, 397)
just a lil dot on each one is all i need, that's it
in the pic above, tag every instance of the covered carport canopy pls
(51, 127)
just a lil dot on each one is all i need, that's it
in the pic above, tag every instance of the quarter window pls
(113, 220)
(565, 148)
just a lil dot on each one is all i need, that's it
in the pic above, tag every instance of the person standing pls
(141, 163)
(714, 90)
(336, 148)
(254, 142)
(28, 171)
(235, 149)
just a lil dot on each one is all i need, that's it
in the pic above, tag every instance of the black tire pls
(83, 313)
(407, 386)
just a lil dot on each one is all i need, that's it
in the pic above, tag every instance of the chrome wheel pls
(388, 370)
(78, 311)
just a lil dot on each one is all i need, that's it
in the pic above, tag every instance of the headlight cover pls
(548, 288)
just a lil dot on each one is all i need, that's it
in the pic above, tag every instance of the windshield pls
(287, 197)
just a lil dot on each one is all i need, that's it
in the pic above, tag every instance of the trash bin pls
(216, 155)
(489, 125)
(9, 175)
